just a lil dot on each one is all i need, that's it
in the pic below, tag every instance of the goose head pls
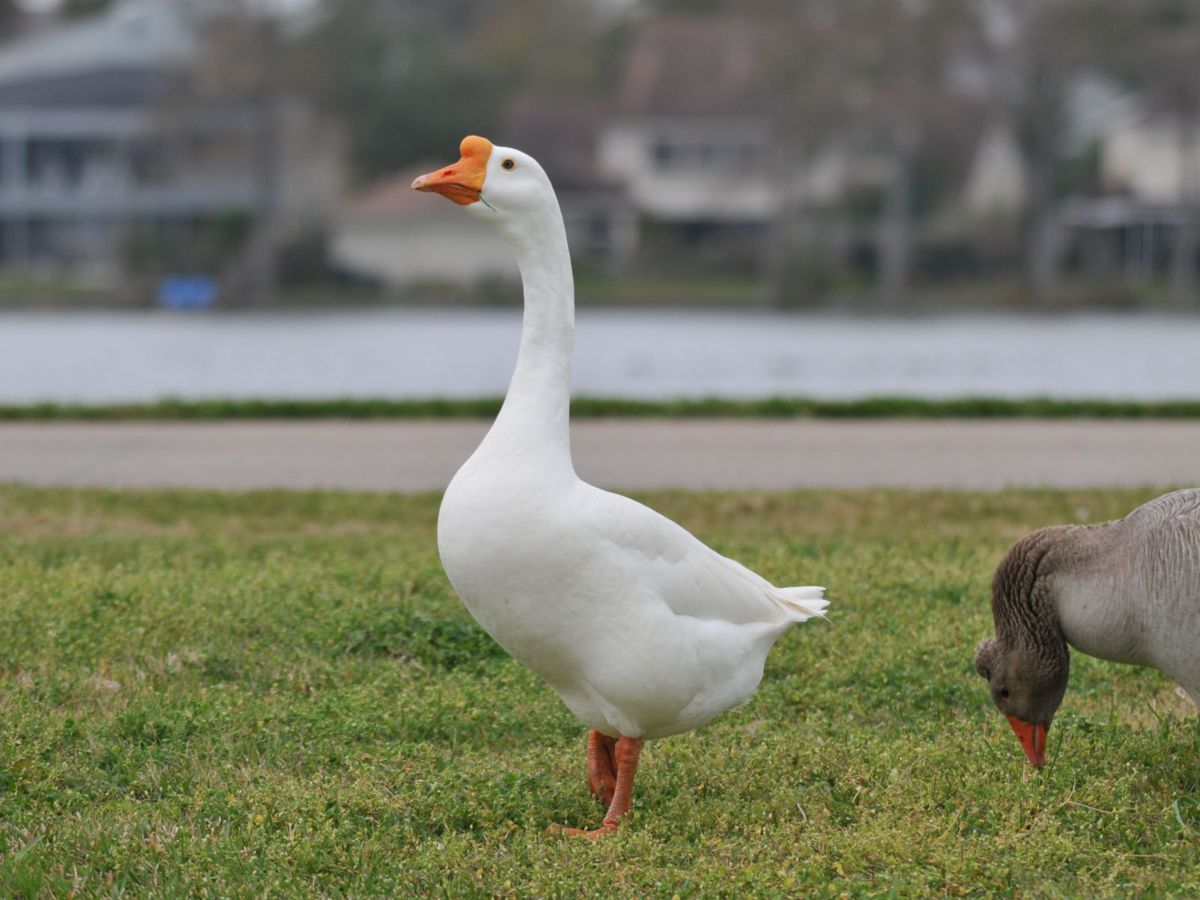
(1027, 687)
(496, 184)
(1027, 664)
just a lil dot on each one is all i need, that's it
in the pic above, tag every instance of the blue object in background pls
(187, 292)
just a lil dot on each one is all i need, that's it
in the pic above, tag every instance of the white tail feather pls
(802, 603)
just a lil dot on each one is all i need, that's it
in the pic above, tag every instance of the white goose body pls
(641, 629)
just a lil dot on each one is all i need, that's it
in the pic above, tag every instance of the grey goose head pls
(1027, 664)
(1127, 591)
(1026, 688)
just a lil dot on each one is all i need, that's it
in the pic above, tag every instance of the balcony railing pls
(128, 200)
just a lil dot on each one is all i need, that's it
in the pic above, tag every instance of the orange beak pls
(1032, 736)
(462, 181)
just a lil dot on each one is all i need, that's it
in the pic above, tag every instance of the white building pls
(102, 130)
(688, 138)
(997, 185)
(397, 236)
(1154, 158)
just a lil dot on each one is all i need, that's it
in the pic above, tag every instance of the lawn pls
(278, 694)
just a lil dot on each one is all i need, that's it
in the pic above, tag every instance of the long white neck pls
(535, 418)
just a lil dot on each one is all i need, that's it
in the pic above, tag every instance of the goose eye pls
(508, 164)
(1004, 694)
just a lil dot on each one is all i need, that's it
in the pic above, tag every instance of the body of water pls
(144, 356)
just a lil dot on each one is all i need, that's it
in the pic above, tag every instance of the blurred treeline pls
(901, 92)
(914, 81)
(410, 78)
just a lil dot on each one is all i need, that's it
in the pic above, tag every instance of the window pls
(707, 153)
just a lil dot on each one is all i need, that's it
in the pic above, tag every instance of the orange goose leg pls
(626, 753)
(602, 767)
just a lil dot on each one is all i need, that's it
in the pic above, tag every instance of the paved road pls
(697, 454)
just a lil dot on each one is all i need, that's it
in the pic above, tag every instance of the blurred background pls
(777, 186)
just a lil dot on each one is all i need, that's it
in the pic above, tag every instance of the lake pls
(102, 357)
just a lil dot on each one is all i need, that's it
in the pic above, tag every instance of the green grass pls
(696, 290)
(599, 407)
(278, 694)
(18, 291)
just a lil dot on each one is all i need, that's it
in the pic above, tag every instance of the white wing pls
(690, 577)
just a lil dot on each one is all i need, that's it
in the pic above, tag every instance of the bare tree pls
(807, 105)
(1163, 63)
(1174, 87)
(1187, 235)
(11, 17)
(1040, 83)
(902, 82)
(82, 8)
(896, 228)
(240, 74)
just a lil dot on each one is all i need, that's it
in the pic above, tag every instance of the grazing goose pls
(1126, 591)
(641, 629)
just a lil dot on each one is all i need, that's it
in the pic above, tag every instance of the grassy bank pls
(595, 407)
(278, 694)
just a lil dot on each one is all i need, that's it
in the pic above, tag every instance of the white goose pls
(641, 629)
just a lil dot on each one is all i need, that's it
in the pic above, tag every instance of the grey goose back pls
(1126, 591)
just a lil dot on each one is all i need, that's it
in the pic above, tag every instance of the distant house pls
(1150, 174)
(997, 184)
(689, 135)
(699, 128)
(689, 160)
(600, 218)
(1119, 234)
(108, 124)
(1148, 156)
(399, 237)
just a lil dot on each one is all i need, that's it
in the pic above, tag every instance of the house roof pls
(698, 66)
(393, 197)
(133, 34)
(560, 133)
